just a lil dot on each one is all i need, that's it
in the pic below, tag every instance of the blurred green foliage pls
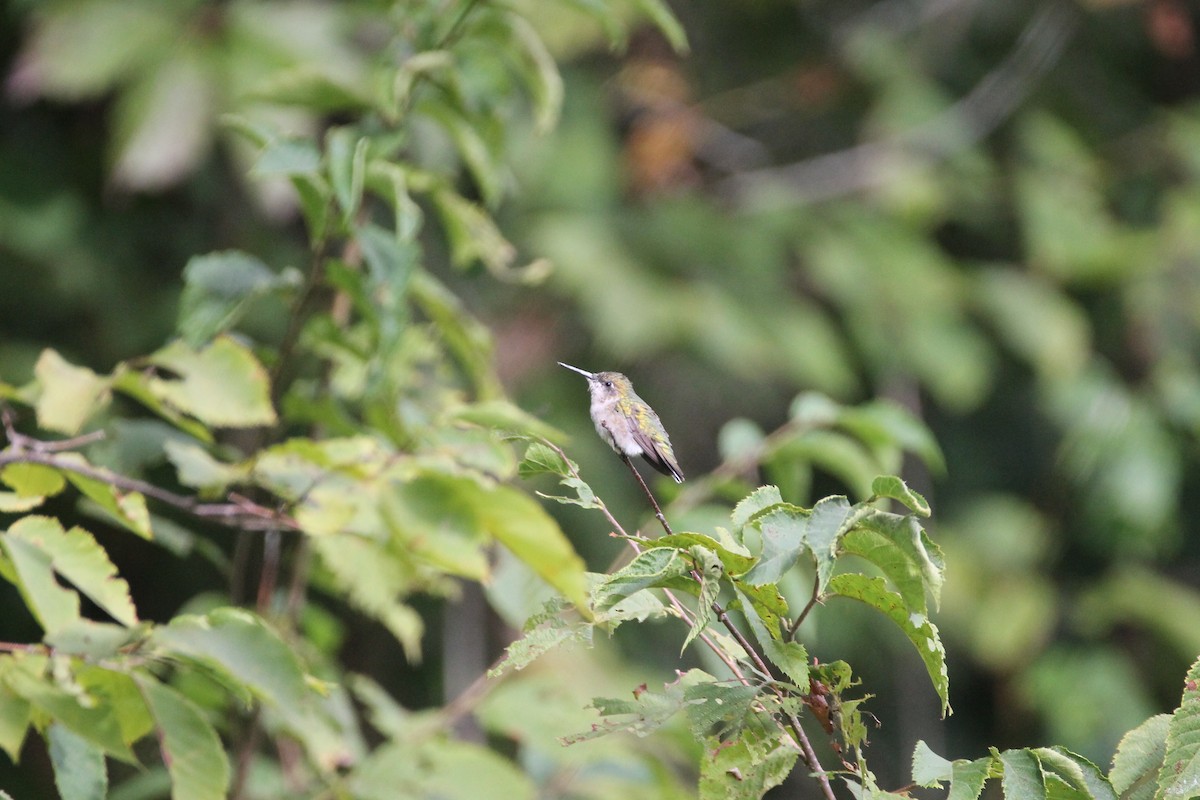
(983, 214)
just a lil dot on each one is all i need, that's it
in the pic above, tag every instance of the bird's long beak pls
(583, 372)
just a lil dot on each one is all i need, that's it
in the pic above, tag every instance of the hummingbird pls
(627, 422)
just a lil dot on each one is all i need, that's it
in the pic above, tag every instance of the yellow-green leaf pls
(222, 384)
(69, 395)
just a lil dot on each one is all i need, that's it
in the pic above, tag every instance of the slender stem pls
(650, 495)
(240, 512)
(812, 602)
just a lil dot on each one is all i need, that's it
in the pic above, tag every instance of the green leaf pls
(248, 655)
(79, 768)
(790, 657)
(532, 535)
(658, 566)
(219, 289)
(285, 156)
(542, 635)
(311, 88)
(140, 385)
(716, 708)
(1023, 776)
(900, 548)
(887, 424)
(543, 79)
(38, 546)
(14, 720)
(917, 627)
(928, 768)
(966, 777)
(1082, 776)
(194, 467)
(542, 460)
(1139, 758)
(13, 503)
(125, 508)
(92, 640)
(787, 531)
(1180, 774)
(645, 713)
(68, 396)
(747, 767)
(222, 384)
(33, 480)
(503, 416)
(86, 715)
(756, 502)
(897, 489)
(191, 749)
(734, 562)
(368, 576)
(480, 161)
(473, 235)
(710, 568)
(347, 156)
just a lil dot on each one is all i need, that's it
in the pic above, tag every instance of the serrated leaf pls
(655, 567)
(897, 489)
(368, 576)
(715, 708)
(93, 720)
(79, 768)
(13, 503)
(787, 531)
(140, 386)
(247, 655)
(917, 627)
(754, 503)
(710, 568)
(1139, 758)
(68, 395)
(790, 657)
(39, 547)
(735, 563)
(1179, 777)
(900, 548)
(1081, 776)
(1023, 776)
(645, 713)
(747, 767)
(222, 384)
(33, 480)
(191, 749)
(928, 768)
(127, 509)
(548, 635)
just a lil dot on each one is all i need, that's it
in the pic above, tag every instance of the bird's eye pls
(608, 384)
